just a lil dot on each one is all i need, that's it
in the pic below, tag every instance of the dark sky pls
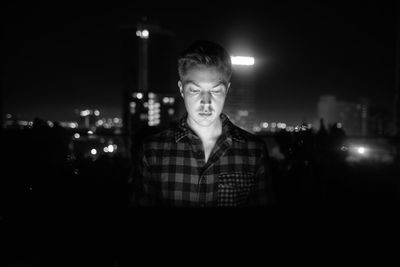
(58, 57)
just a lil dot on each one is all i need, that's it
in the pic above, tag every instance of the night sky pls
(59, 57)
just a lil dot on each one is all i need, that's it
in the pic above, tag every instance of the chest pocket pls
(234, 188)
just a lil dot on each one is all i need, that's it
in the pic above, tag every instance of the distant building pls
(240, 101)
(358, 118)
(152, 110)
(88, 118)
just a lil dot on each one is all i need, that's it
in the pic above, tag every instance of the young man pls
(205, 161)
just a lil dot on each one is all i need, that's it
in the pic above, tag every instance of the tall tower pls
(149, 69)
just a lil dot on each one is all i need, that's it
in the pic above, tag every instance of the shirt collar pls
(228, 128)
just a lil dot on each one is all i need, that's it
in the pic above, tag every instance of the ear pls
(180, 85)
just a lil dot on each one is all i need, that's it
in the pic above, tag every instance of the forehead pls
(204, 75)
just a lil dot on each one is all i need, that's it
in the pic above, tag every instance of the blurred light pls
(243, 113)
(165, 100)
(265, 124)
(256, 129)
(77, 136)
(115, 147)
(139, 95)
(138, 33)
(243, 61)
(116, 120)
(171, 111)
(93, 151)
(90, 132)
(361, 150)
(73, 125)
(96, 112)
(8, 116)
(105, 149)
(273, 125)
(339, 125)
(85, 112)
(152, 95)
(171, 100)
(110, 148)
(145, 34)
(281, 125)
(290, 129)
(343, 148)
(50, 123)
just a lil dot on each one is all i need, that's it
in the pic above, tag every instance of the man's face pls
(204, 90)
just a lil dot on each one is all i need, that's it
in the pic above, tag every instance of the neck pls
(211, 131)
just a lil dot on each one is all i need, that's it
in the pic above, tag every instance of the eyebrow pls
(193, 82)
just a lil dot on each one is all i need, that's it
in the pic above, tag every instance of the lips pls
(205, 113)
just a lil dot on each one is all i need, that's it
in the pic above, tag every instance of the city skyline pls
(301, 53)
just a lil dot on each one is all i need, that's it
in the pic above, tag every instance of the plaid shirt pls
(172, 170)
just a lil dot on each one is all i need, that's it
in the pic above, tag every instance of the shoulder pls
(248, 137)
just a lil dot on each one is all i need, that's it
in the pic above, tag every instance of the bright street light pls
(242, 61)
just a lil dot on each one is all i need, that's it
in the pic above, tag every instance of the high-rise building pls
(152, 110)
(240, 101)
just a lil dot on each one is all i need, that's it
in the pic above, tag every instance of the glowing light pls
(171, 111)
(145, 34)
(273, 125)
(90, 132)
(152, 95)
(50, 123)
(138, 33)
(110, 148)
(105, 149)
(139, 95)
(8, 116)
(242, 61)
(93, 151)
(339, 125)
(77, 136)
(361, 150)
(116, 120)
(165, 100)
(96, 112)
(171, 100)
(85, 113)
(281, 125)
(265, 124)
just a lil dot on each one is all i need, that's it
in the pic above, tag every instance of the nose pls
(206, 98)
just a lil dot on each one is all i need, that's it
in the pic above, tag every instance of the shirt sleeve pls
(262, 195)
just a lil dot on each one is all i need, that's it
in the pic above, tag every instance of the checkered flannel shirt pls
(172, 170)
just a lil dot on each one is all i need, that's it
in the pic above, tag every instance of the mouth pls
(205, 114)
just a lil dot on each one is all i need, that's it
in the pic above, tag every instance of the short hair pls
(205, 53)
